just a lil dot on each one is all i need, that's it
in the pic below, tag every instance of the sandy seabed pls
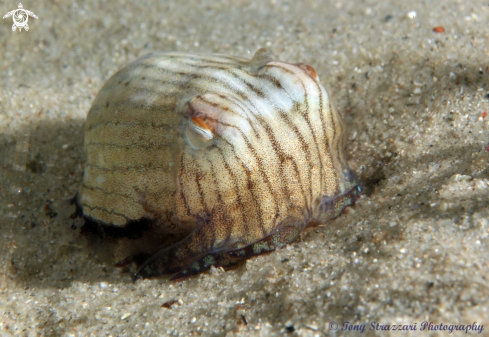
(413, 250)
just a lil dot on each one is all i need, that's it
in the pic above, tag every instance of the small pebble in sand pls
(439, 29)
(411, 14)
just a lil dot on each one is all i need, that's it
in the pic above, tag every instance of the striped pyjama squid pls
(241, 154)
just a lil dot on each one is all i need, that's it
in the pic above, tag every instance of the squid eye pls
(198, 133)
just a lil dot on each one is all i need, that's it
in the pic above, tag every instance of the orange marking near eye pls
(311, 71)
(200, 123)
(308, 69)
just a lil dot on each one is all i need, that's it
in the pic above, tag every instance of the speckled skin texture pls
(273, 161)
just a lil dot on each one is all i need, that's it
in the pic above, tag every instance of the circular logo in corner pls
(20, 17)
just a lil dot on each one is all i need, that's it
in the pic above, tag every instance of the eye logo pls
(20, 16)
